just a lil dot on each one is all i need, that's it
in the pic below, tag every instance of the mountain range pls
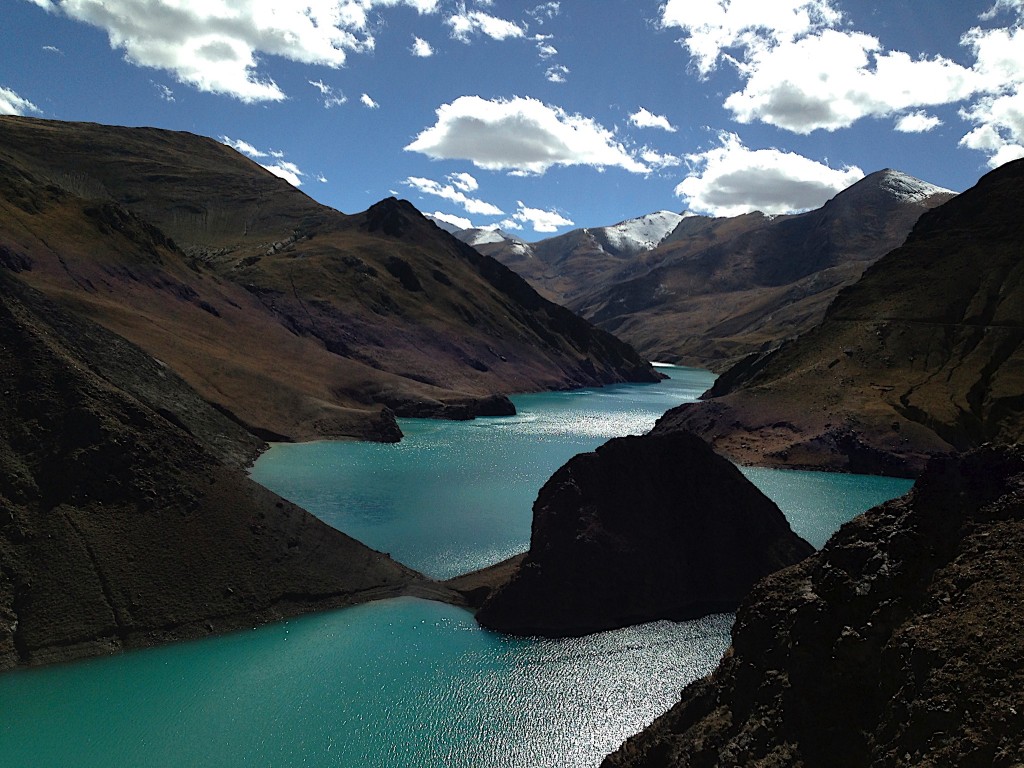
(706, 291)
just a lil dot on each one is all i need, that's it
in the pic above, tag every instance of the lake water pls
(408, 683)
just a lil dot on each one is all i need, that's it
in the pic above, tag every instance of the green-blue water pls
(407, 683)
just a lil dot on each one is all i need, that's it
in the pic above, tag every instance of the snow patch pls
(643, 233)
(908, 189)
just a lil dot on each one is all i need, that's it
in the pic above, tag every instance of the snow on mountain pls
(642, 233)
(909, 189)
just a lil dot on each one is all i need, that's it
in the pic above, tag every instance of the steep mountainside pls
(563, 267)
(126, 518)
(898, 644)
(922, 356)
(295, 319)
(713, 290)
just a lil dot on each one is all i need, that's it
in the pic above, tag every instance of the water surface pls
(407, 683)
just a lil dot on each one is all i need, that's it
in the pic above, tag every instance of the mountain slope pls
(296, 319)
(922, 356)
(126, 518)
(723, 288)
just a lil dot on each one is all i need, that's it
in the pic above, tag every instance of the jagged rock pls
(899, 644)
(644, 528)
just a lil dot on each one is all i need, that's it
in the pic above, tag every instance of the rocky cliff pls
(923, 356)
(644, 528)
(899, 644)
(126, 518)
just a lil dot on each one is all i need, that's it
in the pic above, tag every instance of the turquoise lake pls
(409, 683)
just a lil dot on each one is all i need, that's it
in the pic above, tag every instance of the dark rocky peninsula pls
(899, 644)
(644, 528)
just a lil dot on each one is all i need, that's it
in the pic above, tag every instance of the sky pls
(544, 117)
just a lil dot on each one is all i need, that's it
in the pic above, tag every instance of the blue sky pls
(541, 117)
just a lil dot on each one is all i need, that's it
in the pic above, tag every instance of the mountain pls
(898, 644)
(293, 319)
(126, 516)
(922, 356)
(711, 290)
(561, 267)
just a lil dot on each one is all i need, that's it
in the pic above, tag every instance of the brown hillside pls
(296, 319)
(921, 357)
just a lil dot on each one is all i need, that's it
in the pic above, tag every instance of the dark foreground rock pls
(126, 518)
(645, 528)
(899, 644)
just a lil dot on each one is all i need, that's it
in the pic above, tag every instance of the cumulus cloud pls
(330, 97)
(164, 92)
(460, 222)
(544, 47)
(644, 119)
(469, 24)
(545, 11)
(464, 181)
(280, 167)
(917, 122)
(13, 104)
(556, 74)
(421, 48)
(658, 160)
(521, 135)
(731, 179)
(769, 43)
(712, 26)
(367, 101)
(449, 192)
(541, 220)
(215, 46)
(53, 49)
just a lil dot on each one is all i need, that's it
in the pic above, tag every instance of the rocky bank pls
(898, 644)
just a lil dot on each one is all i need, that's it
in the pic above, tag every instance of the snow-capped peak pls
(909, 189)
(642, 233)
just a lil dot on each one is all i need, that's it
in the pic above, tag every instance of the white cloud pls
(421, 48)
(545, 11)
(164, 92)
(557, 73)
(215, 45)
(998, 115)
(321, 178)
(521, 135)
(13, 104)
(367, 101)
(711, 26)
(449, 192)
(456, 221)
(282, 168)
(53, 49)
(917, 122)
(657, 160)
(464, 181)
(287, 171)
(331, 99)
(731, 179)
(466, 25)
(644, 119)
(244, 147)
(539, 219)
(44, 4)
(852, 79)
(544, 48)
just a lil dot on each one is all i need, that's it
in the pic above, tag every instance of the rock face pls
(296, 320)
(923, 356)
(899, 644)
(645, 528)
(126, 518)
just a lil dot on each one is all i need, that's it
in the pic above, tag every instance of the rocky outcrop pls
(644, 528)
(126, 517)
(899, 644)
(923, 356)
